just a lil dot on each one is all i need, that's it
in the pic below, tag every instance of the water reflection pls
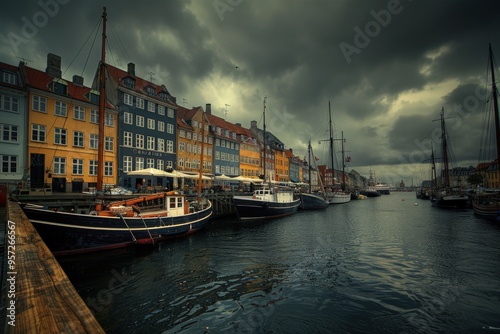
(379, 265)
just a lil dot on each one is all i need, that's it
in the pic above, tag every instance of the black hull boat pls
(266, 204)
(487, 205)
(450, 201)
(312, 202)
(120, 225)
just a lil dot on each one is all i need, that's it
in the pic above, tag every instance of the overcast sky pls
(387, 67)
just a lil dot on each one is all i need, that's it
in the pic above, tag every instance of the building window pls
(129, 83)
(78, 138)
(9, 164)
(77, 166)
(139, 163)
(139, 103)
(182, 133)
(61, 109)
(128, 99)
(170, 146)
(160, 164)
(188, 135)
(150, 163)
(108, 168)
(94, 116)
(139, 121)
(60, 136)
(151, 106)
(151, 124)
(127, 164)
(127, 139)
(139, 141)
(161, 110)
(170, 112)
(59, 165)
(109, 119)
(181, 162)
(128, 118)
(108, 144)
(150, 90)
(150, 143)
(79, 113)
(170, 128)
(93, 167)
(94, 141)
(8, 103)
(161, 145)
(39, 103)
(161, 126)
(9, 78)
(38, 132)
(8, 133)
(181, 146)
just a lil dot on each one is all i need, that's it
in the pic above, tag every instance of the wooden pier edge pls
(45, 300)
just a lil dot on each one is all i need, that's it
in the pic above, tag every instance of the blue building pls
(146, 126)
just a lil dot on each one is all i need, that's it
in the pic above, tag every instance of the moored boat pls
(383, 188)
(266, 203)
(140, 220)
(486, 203)
(311, 201)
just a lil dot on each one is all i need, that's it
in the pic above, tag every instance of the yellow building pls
(63, 132)
(249, 153)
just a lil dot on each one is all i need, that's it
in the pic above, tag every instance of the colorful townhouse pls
(267, 159)
(63, 132)
(294, 164)
(226, 145)
(147, 125)
(12, 128)
(250, 165)
(193, 138)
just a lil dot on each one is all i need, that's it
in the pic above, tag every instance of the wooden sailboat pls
(142, 220)
(444, 195)
(335, 196)
(270, 201)
(486, 202)
(310, 200)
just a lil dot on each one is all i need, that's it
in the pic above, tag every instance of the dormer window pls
(94, 96)
(150, 91)
(129, 83)
(59, 86)
(163, 96)
(9, 78)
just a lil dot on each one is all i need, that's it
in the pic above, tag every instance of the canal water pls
(391, 264)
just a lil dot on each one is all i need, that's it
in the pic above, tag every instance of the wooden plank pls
(45, 299)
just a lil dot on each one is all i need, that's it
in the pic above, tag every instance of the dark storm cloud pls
(411, 58)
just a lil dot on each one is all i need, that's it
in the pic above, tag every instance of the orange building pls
(192, 128)
(249, 152)
(63, 131)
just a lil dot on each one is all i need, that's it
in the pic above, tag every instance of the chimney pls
(53, 65)
(131, 69)
(208, 109)
(78, 80)
(253, 125)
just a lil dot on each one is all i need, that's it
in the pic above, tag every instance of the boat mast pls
(309, 151)
(264, 135)
(445, 150)
(343, 162)
(495, 103)
(433, 171)
(102, 109)
(331, 142)
(200, 179)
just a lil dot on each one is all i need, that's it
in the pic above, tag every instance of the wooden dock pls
(39, 298)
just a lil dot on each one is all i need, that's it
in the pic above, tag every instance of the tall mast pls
(495, 103)
(331, 142)
(445, 150)
(200, 179)
(309, 165)
(264, 135)
(102, 109)
(343, 162)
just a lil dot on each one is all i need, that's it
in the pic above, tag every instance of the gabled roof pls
(13, 69)
(141, 84)
(182, 117)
